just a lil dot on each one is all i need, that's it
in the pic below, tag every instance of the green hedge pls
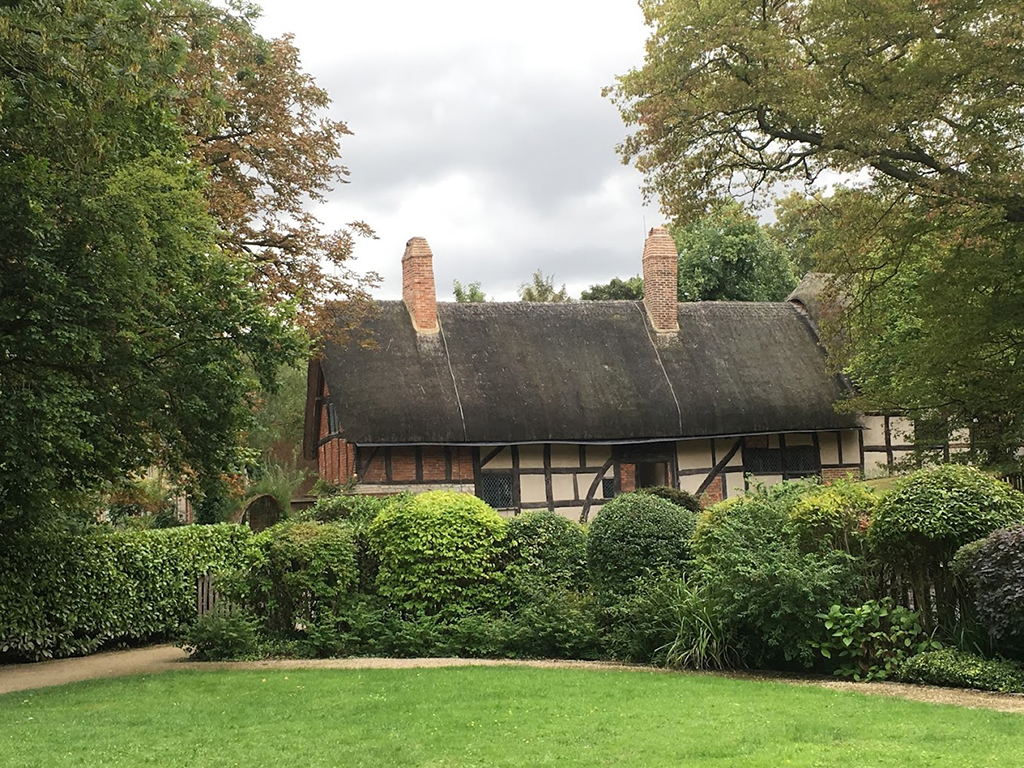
(963, 670)
(66, 595)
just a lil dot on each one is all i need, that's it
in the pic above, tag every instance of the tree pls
(927, 313)
(726, 256)
(631, 288)
(128, 337)
(468, 294)
(542, 289)
(257, 122)
(798, 217)
(735, 95)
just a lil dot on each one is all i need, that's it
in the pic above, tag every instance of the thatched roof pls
(582, 371)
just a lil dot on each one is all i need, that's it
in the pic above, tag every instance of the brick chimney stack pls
(661, 280)
(418, 285)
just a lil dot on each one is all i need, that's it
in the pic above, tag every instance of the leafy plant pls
(994, 571)
(919, 526)
(677, 496)
(833, 516)
(768, 590)
(871, 641)
(637, 534)
(549, 548)
(220, 636)
(963, 670)
(438, 551)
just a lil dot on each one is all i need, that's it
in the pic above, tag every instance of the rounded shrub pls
(300, 571)
(357, 509)
(833, 516)
(995, 574)
(548, 548)
(957, 669)
(677, 496)
(438, 551)
(929, 515)
(634, 535)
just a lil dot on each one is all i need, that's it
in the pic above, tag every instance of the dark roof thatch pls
(808, 295)
(582, 371)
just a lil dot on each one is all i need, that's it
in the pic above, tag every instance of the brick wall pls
(418, 291)
(661, 274)
(829, 475)
(627, 477)
(713, 494)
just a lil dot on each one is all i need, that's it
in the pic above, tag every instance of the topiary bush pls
(919, 526)
(634, 535)
(356, 509)
(994, 571)
(547, 548)
(768, 591)
(958, 669)
(833, 516)
(677, 496)
(66, 595)
(439, 551)
(298, 573)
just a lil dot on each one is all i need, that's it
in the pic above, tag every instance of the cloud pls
(481, 128)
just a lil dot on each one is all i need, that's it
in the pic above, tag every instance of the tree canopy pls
(128, 336)
(727, 256)
(541, 288)
(632, 288)
(735, 95)
(471, 293)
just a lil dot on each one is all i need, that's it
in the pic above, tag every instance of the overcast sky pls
(482, 128)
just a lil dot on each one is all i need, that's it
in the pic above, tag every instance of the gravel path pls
(165, 658)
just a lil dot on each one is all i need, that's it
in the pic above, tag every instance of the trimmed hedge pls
(545, 547)
(637, 534)
(66, 595)
(963, 670)
(438, 551)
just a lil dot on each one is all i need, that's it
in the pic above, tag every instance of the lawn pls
(498, 716)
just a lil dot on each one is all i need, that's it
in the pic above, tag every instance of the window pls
(608, 487)
(792, 461)
(496, 489)
(333, 427)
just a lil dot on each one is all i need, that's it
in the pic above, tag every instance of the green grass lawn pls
(498, 716)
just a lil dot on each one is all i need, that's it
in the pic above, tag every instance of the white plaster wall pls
(875, 464)
(851, 446)
(694, 454)
(597, 455)
(901, 430)
(734, 484)
(562, 488)
(828, 443)
(874, 430)
(722, 447)
(799, 438)
(502, 461)
(531, 488)
(563, 455)
(690, 482)
(531, 456)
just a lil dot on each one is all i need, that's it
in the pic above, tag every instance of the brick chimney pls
(661, 277)
(418, 285)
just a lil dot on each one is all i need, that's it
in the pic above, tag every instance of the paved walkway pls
(165, 658)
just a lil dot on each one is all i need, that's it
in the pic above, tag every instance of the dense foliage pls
(919, 526)
(545, 547)
(637, 534)
(727, 256)
(958, 669)
(438, 551)
(835, 516)
(63, 595)
(677, 496)
(994, 572)
(630, 289)
(767, 588)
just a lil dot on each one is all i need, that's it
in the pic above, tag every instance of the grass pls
(496, 716)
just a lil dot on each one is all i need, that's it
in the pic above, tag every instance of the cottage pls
(563, 406)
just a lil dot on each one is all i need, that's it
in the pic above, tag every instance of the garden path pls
(165, 658)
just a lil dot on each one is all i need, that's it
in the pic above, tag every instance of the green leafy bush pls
(220, 636)
(957, 669)
(919, 526)
(297, 572)
(833, 516)
(677, 496)
(555, 623)
(65, 595)
(768, 590)
(669, 620)
(637, 534)
(871, 641)
(438, 551)
(994, 571)
(356, 509)
(548, 548)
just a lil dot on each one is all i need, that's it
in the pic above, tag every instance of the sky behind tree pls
(481, 128)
